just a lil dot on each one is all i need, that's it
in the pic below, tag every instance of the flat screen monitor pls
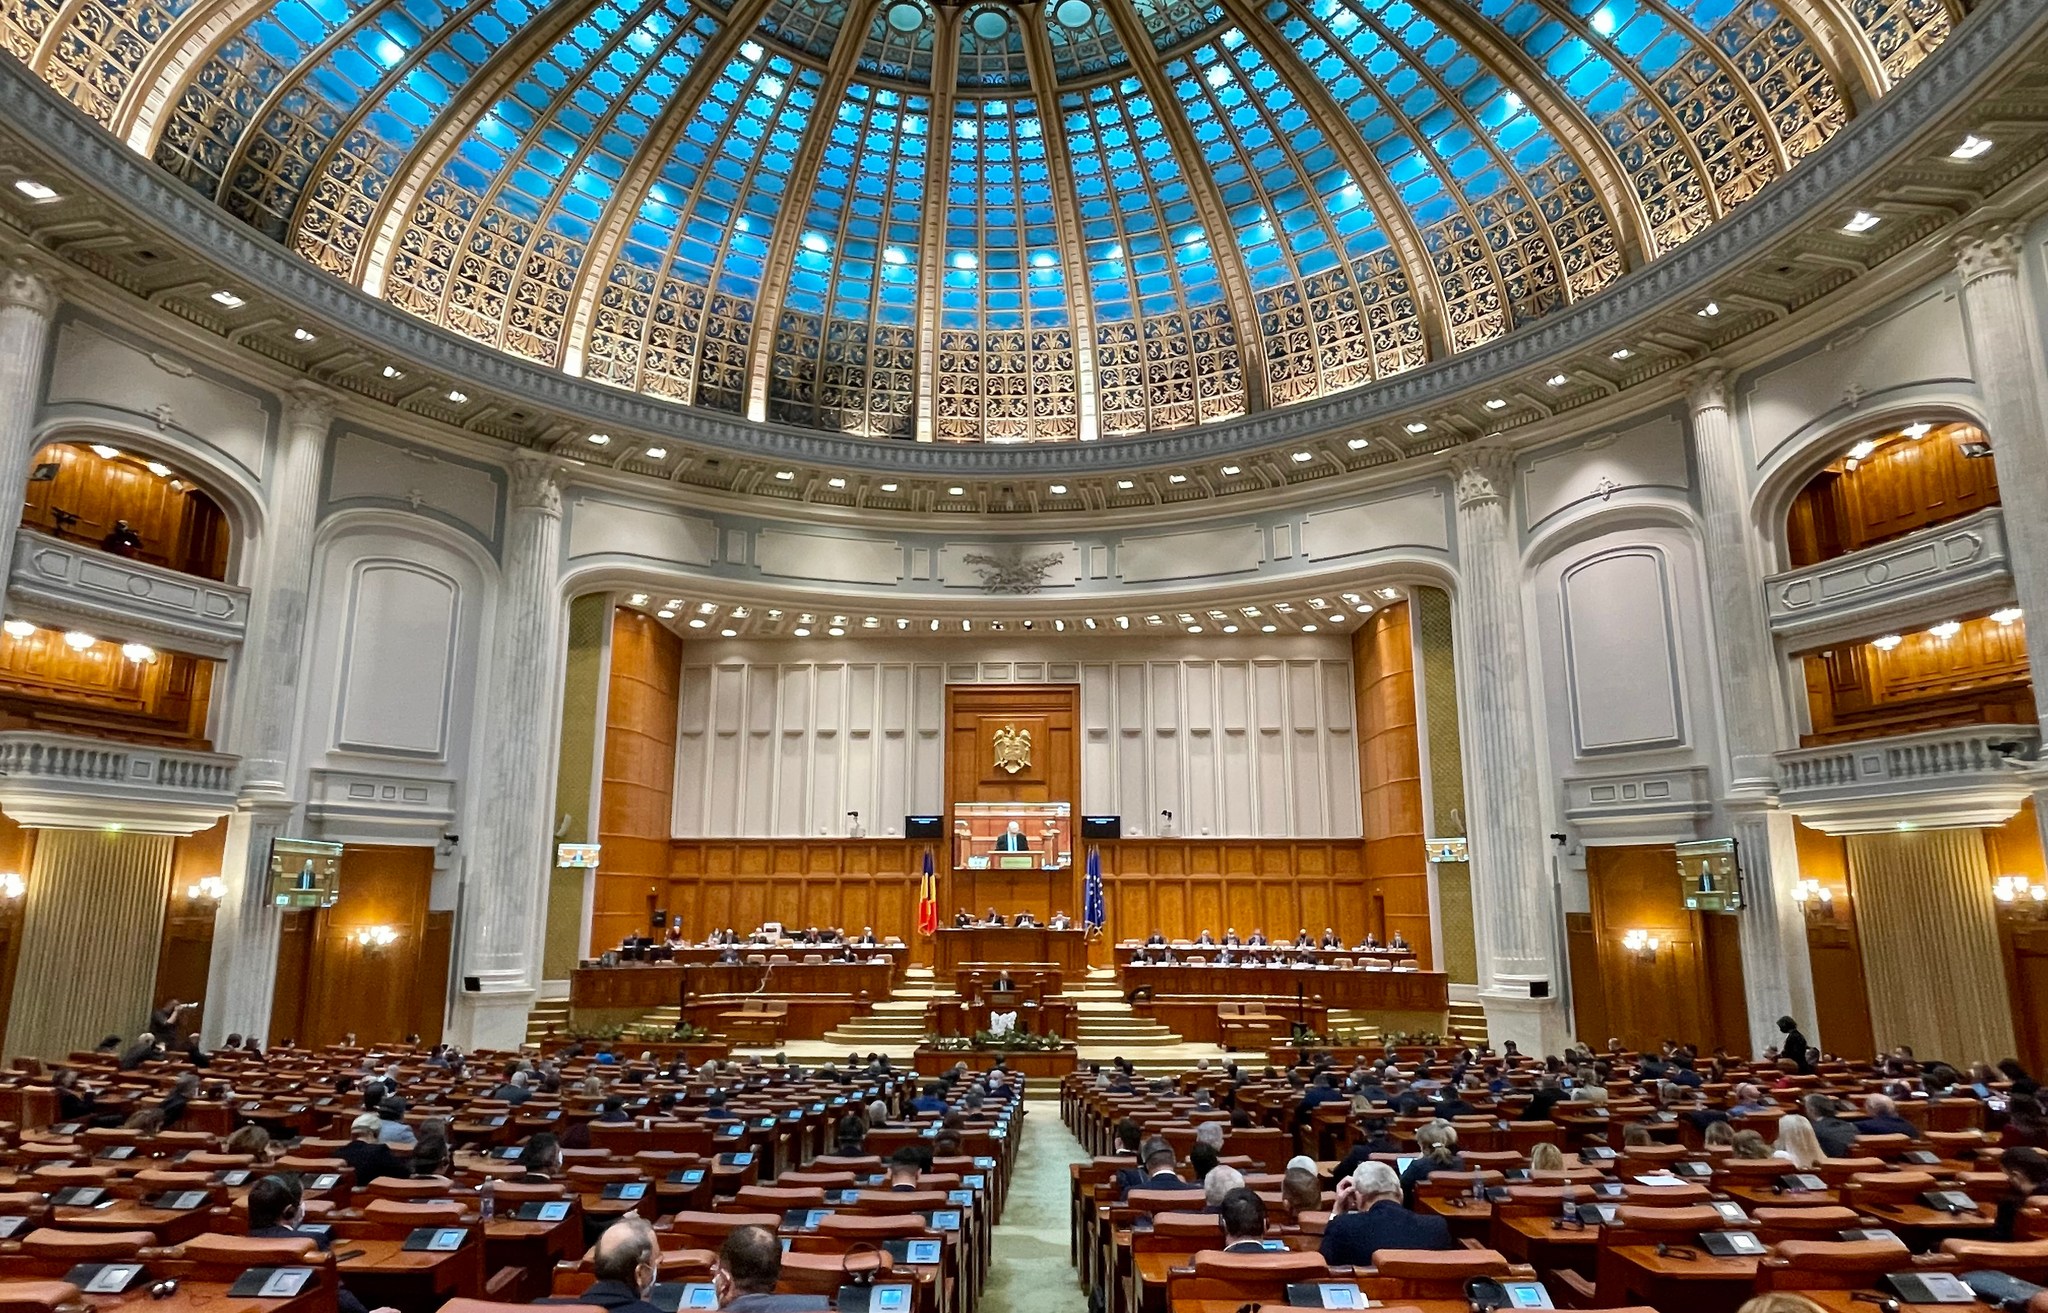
(1102, 827)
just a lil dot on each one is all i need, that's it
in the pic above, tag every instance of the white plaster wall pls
(1237, 739)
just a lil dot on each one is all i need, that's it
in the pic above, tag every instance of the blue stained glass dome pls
(976, 222)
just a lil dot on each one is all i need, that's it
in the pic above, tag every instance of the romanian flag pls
(928, 899)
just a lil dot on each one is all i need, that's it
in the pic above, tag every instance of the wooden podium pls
(1065, 949)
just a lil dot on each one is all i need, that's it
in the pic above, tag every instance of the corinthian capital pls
(308, 405)
(28, 287)
(1991, 249)
(1485, 472)
(1706, 388)
(537, 484)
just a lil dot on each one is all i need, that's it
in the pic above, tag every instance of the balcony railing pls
(1970, 775)
(79, 584)
(67, 782)
(1931, 575)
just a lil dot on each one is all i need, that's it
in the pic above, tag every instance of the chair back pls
(823, 1274)
(1432, 1273)
(2025, 1259)
(1246, 1278)
(1830, 1264)
(38, 1296)
(709, 1230)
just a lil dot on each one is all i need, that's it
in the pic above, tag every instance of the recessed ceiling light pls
(1620, 353)
(1308, 629)
(78, 640)
(1886, 642)
(458, 397)
(1555, 381)
(393, 371)
(1303, 457)
(1088, 622)
(785, 475)
(1125, 484)
(1230, 629)
(956, 491)
(836, 482)
(637, 599)
(34, 190)
(1176, 478)
(1057, 489)
(1416, 426)
(1862, 449)
(599, 439)
(1972, 146)
(1123, 622)
(1947, 629)
(158, 468)
(1919, 430)
(1059, 626)
(1352, 598)
(1267, 629)
(1232, 471)
(301, 335)
(728, 633)
(229, 299)
(837, 631)
(1194, 629)
(1709, 310)
(1862, 222)
(1359, 444)
(656, 453)
(2006, 616)
(888, 487)
(801, 632)
(1336, 617)
(696, 622)
(1497, 403)
(104, 452)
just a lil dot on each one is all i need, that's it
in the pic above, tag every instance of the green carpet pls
(1028, 1267)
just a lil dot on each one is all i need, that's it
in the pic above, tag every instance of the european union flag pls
(1093, 913)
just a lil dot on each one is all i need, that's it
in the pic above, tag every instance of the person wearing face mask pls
(626, 1259)
(749, 1265)
(276, 1211)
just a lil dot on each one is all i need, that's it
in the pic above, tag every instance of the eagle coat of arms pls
(1013, 748)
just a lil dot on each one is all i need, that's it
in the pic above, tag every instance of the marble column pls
(2005, 356)
(267, 678)
(1512, 889)
(27, 302)
(510, 856)
(1777, 980)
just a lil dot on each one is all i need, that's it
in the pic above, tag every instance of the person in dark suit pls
(1549, 1093)
(1160, 1160)
(1230, 937)
(1258, 939)
(370, 1157)
(1013, 840)
(749, 1267)
(1368, 1217)
(1155, 940)
(994, 918)
(625, 1262)
(1794, 1047)
(276, 1208)
(1330, 939)
(1881, 1117)
(1242, 1215)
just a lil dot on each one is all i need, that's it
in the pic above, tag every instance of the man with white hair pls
(1211, 1134)
(1369, 1217)
(1220, 1181)
(1881, 1117)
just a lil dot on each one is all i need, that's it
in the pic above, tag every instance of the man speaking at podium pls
(1012, 840)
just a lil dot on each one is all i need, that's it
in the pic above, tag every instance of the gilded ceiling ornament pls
(1013, 748)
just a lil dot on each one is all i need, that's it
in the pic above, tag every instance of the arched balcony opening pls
(130, 504)
(1889, 484)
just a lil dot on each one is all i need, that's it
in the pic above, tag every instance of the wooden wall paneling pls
(1901, 487)
(181, 526)
(17, 856)
(1390, 776)
(289, 993)
(368, 991)
(637, 805)
(1978, 675)
(976, 713)
(1670, 997)
(1834, 951)
(1728, 997)
(1590, 1020)
(1181, 887)
(2014, 848)
(849, 883)
(430, 987)
(186, 954)
(45, 684)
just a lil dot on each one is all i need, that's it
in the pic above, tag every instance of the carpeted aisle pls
(1028, 1267)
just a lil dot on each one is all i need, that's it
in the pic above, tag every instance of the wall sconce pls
(2016, 896)
(1815, 899)
(1641, 943)
(12, 886)
(375, 938)
(209, 889)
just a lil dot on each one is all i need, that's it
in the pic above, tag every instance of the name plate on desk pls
(1015, 861)
(543, 1210)
(436, 1239)
(1324, 1294)
(105, 1278)
(681, 1297)
(271, 1282)
(179, 1201)
(689, 1176)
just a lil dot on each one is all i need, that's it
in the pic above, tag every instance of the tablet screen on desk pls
(324, 1181)
(693, 1176)
(240, 1176)
(104, 1278)
(919, 1252)
(78, 1196)
(677, 1297)
(964, 1198)
(1403, 1163)
(626, 1190)
(10, 1226)
(543, 1210)
(271, 1282)
(736, 1159)
(118, 1153)
(1731, 1211)
(1526, 1294)
(180, 1200)
(732, 1130)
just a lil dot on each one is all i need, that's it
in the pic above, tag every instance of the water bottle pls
(1568, 1204)
(487, 1200)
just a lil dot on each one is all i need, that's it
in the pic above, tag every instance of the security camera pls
(1558, 836)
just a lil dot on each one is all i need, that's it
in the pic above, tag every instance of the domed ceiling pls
(982, 222)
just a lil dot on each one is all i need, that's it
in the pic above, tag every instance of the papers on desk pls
(1659, 1179)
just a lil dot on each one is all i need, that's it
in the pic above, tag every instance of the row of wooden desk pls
(1066, 950)
(646, 987)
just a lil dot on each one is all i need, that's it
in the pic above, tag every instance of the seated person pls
(1155, 940)
(1242, 1215)
(276, 1209)
(867, 937)
(1205, 940)
(995, 918)
(729, 956)
(749, 1268)
(1061, 921)
(1368, 1217)
(1881, 1117)
(962, 919)
(1258, 939)
(1399, 941)
(1230, 937)
(933, 1100)
(674, 938)
(1159, 1162)
(1330, 939)
(1225, 958)
(1371, 941)
(1301, 939)
(2026, 1171)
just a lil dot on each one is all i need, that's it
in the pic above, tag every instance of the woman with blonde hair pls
(1750, 1145)
(1438, 1141)
(1797, 1144)
(1781, 1301)
(1546, 1157)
